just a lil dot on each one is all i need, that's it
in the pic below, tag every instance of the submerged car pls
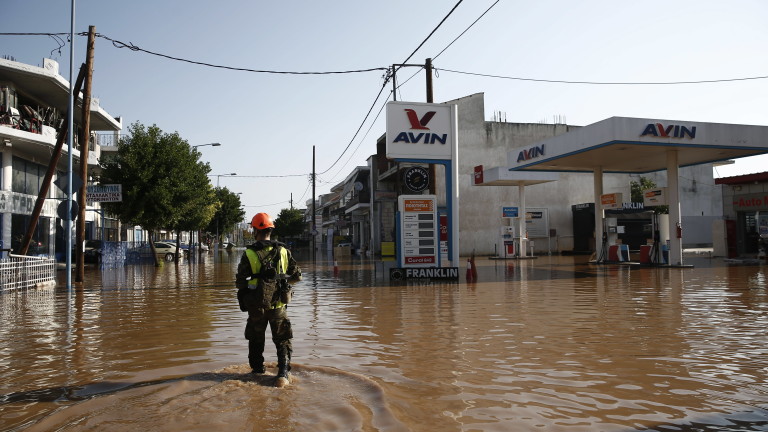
(92, 251)
(164, 250)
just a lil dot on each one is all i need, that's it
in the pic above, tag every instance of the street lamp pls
(203, 145)
(219, 176)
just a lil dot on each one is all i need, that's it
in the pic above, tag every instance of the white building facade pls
(33, 107)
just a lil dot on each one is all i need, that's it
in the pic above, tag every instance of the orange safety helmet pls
(262, 221)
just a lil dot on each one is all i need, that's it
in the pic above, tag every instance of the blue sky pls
(267, 123)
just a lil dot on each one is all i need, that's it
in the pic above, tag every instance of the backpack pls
(266, 293)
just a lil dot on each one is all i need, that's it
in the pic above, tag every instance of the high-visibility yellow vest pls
(253, 258)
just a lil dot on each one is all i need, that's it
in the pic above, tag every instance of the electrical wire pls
(271, 176)
(602, 82)
(132, 47)
(363, 138)
(358, 129)
(432, 32)
(386, 80)
(467, 29)
(452, 42)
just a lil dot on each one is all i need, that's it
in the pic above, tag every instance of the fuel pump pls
(507, 242)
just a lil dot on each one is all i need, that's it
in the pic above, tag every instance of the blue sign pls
(509, 212)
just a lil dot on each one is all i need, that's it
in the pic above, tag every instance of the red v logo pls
(413, 118)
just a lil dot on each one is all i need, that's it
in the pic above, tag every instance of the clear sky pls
(268, 123)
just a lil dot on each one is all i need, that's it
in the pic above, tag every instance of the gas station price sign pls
(418, 230)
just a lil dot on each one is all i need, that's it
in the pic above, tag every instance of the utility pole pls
(314, 225)
(291, 201)
(394, 83)
(84, 147)
(430, 99)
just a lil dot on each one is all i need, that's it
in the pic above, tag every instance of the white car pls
(164, 250)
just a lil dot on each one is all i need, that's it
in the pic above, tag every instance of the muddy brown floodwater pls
(550, 344)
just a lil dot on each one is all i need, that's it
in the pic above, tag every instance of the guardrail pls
(21, 271)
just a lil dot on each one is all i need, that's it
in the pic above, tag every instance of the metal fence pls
(20, 271)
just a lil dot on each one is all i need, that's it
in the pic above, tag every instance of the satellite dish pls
(358, 186)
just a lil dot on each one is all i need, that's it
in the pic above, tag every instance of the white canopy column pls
(675, 242)
(521, 219)
(598, 184)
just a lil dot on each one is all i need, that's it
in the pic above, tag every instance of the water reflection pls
(550, 344)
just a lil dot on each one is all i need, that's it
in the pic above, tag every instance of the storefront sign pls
(400, 274)
(14, 202)
(751, 202)
(104, 193)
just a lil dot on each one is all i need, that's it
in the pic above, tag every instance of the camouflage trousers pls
(255, 330)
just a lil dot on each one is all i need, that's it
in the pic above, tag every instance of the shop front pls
(745, 209)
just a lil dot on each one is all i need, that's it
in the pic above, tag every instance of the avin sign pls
(419, 131)
(671, 131)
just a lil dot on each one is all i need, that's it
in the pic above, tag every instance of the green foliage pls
(164, 183)
(228, 211)
(289, 223)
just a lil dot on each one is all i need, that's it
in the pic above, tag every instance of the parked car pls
(92, 251)
(165, 250)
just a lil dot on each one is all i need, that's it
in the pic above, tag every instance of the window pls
(41, 239)
(27, 176)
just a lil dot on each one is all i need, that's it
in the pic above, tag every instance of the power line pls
(363, 138)
(272, 176)
(467, 29)
(132, 47)
(452, 42)
(602, 82)
(386, 80)
(433, 31)
(358, 129)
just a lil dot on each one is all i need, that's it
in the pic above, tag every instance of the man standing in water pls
(263, 291)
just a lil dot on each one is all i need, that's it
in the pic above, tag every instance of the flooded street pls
(551, 344)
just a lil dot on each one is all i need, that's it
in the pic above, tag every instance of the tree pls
(163, 181)
(228, 212)
(637, 188)
(289, 223)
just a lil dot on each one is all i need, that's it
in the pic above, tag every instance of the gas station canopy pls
(635, 145)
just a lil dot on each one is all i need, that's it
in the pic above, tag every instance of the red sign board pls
(479, 174)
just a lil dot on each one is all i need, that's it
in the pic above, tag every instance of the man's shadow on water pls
(79, 393)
